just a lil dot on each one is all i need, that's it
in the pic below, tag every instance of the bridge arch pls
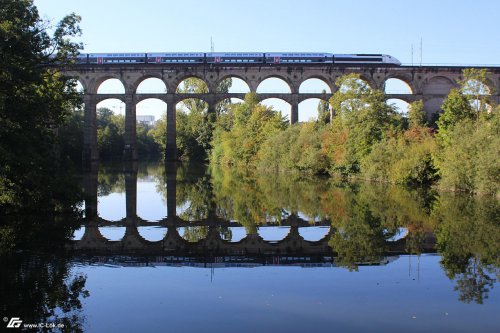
(273, 234)
(400, 105)
(315, 234)
(180, 82)
(315, 84)
(80, 86)
(149, 84)
(109, 84)
(438, 85)
(270, 84)
(363, 80)
(115, 104)
(278, 104)
(308, 108)
(239, 84)
(398, 85)
(152, 233)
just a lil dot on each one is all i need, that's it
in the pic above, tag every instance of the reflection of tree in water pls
(474, 282)
(468, 237)
(364, 216)
(42, 289)
(110, 179)
(198, 233)
(360, 237)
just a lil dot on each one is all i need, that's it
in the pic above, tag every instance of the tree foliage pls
(240, 133)
(468, 135)
(35, 99)
(323, 111)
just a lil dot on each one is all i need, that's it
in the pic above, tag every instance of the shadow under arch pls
(438, 85)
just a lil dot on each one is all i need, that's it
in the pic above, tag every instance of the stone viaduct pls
(428, 83)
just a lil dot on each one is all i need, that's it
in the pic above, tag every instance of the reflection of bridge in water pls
(173, 249)
(221, 261)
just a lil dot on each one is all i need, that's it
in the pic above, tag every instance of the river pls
(183, 248)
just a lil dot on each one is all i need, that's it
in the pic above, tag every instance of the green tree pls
(323, 111)
(474, 86)
(252, 124)
(363, 116)
(35, 99)
(110, 133)
(456, 107)
(416, 114)
(195, 127)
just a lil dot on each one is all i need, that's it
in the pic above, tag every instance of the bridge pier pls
(130, 149)
(90, 152)
(294, 111)
(171, 175)
(90, 187)
(171, 146)
(131, 191)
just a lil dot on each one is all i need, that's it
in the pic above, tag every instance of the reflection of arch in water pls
(273, 234)
(78, 233)
(400, 234)
(130, 239)
(153, 233)
(112, 207)
(237, 234)
(151, 205)
(314, 234)
(113, 233)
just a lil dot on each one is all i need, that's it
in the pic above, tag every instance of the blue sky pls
(452, 31)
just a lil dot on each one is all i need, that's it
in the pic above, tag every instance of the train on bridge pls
(236, 58)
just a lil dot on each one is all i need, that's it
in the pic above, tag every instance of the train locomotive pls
(238, 58)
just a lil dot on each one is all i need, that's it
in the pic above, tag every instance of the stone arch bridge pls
(428, 83)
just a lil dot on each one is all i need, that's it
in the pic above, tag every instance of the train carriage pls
(116, 58)
(234, 58)
(376, 59)
(305, 58)
(176, 58)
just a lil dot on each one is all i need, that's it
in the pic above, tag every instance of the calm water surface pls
(183, 249)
